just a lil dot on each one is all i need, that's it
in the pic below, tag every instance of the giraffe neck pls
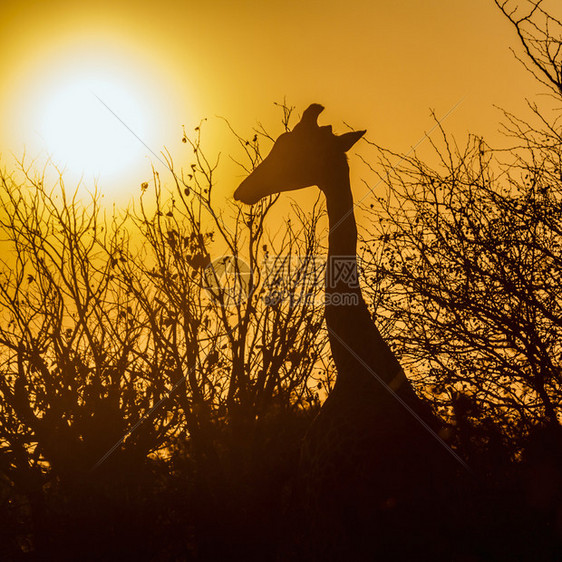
(361, 355)
(342, 239)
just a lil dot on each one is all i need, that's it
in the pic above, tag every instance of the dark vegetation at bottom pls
(247, 504)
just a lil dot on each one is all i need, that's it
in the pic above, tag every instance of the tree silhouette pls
(464, 258)
(145, 342)
(539, 32)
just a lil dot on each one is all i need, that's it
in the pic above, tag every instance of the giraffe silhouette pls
(374, 469)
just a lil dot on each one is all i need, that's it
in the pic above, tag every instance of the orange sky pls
(376, 64)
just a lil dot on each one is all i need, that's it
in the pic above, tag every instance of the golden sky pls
(375, 64)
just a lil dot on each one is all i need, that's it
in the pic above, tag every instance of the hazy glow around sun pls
(100, 106)
(90, 126)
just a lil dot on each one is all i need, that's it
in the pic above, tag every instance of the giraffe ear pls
(347, 140)
(310, 115)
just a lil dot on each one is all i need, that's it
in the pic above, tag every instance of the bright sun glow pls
(92, 127)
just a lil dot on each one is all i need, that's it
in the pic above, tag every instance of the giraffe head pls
(308, 155)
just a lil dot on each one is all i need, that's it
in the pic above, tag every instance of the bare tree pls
(540, 34)
(74, 376)
(171, 332)
(464, 258)
(236, 309)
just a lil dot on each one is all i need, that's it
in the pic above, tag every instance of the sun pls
(94, 126)
(101, 106)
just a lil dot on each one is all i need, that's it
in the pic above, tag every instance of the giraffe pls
(372, 460)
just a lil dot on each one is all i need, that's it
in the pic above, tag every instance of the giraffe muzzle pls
(247, 192)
